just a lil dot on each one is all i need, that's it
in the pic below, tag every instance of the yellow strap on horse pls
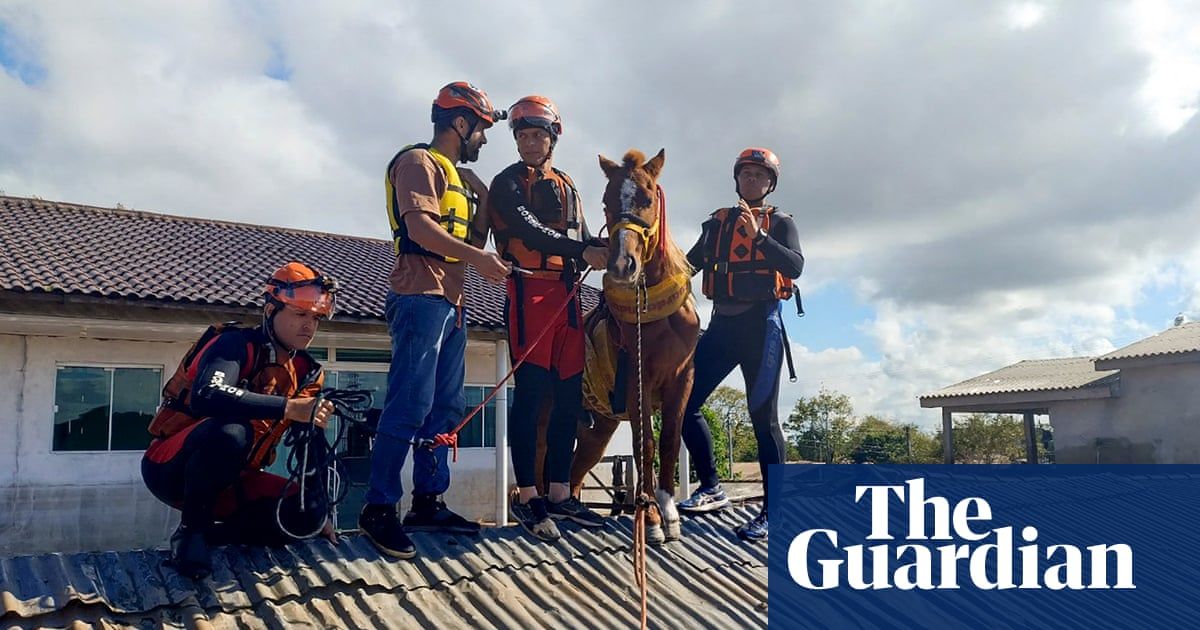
(660, 302)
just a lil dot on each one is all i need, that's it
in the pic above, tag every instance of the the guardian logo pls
(994, 564)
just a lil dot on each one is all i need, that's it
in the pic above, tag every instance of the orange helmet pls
(296, 284)
(463, 95)
(535, 111)
(760, 156)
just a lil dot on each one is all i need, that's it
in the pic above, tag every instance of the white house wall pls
(11, 374)
(1155, 420)
(96, 501)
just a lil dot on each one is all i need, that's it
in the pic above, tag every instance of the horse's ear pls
(608, 166)
(654, 166)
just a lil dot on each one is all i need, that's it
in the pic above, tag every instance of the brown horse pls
(647, 287)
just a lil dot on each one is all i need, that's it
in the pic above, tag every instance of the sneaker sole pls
(403, 555)
(583, 522)
(708, 507)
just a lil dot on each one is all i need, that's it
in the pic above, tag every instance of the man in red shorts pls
(539, 227)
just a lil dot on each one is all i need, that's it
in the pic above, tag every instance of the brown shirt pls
(419, 184)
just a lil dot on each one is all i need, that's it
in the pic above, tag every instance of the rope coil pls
(313, 464)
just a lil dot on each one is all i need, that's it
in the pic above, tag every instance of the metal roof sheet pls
(498, 579)
(1032, 376)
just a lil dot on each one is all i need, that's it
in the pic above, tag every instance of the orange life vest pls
(734, 267)
(552, 199)
(300, 377)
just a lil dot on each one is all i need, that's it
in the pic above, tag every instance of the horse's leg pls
(643, 451)
(590, 444)
(675, 396)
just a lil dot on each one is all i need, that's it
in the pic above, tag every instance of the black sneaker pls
(535, 519)
(755, 530)
(380, 525)
(575, 510)
(189, 553)
(430, 514)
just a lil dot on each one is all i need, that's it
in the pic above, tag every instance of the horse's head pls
(633, 212)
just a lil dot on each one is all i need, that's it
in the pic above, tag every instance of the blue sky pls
(17, 58)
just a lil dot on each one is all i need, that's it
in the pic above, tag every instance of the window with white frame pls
(104, 408)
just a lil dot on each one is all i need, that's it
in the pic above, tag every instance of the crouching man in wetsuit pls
(224, 411)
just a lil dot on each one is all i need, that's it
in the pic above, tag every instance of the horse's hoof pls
(654, 535)
(673, 532)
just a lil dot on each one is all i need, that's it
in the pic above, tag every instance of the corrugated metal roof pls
(498, 579)
(1172, 341)
(56, 247)
(1032, 376)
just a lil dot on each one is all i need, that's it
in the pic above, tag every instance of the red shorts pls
(561, 348)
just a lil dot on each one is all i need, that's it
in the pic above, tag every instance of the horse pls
(647, 286)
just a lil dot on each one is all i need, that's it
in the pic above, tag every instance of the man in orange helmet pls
(224, 411)
(749, 255)
(538, 222)
(431, 207)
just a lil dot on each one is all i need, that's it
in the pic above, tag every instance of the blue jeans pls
(424, 397)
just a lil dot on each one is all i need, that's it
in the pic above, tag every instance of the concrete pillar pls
(501, 435)
(1031, 456)
(947, 436)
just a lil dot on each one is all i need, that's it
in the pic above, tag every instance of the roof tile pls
(57, 247)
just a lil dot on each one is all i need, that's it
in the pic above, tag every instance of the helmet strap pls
(462, 140)
(269, 328)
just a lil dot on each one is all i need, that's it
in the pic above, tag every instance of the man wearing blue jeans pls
(431, 207)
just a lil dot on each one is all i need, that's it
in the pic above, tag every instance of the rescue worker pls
(749, 255)
(431, 207)
(537, 218)
(224, 411)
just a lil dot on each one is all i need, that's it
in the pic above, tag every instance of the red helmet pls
(535, 111)
(298, 285)
(760, 156)
(463, 95)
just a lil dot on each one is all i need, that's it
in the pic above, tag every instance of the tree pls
(819, 426)
(988, 439)
(878, 441)
(729, 422)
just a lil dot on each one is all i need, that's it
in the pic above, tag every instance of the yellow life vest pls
(457, 207)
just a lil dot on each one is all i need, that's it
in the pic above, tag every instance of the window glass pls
(81, 408)
(136, 393)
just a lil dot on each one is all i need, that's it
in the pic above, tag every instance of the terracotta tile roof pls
(1032, 376)
(1175, 341)
(498, 579)
(57, 247)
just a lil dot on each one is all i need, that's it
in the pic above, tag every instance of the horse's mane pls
(675, 260)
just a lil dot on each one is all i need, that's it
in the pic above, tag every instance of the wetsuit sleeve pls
(695, 255)
(781, 247)
(508, 200)
(217, 392)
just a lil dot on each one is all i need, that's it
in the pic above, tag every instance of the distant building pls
(1136, 405)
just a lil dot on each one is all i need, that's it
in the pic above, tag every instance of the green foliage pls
(819, 427)
(728, 415)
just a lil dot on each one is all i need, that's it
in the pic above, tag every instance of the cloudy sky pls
(975, 182)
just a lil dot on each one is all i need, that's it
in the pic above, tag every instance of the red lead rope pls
(451, 439)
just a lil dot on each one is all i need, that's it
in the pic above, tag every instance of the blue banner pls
(1028, 546)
